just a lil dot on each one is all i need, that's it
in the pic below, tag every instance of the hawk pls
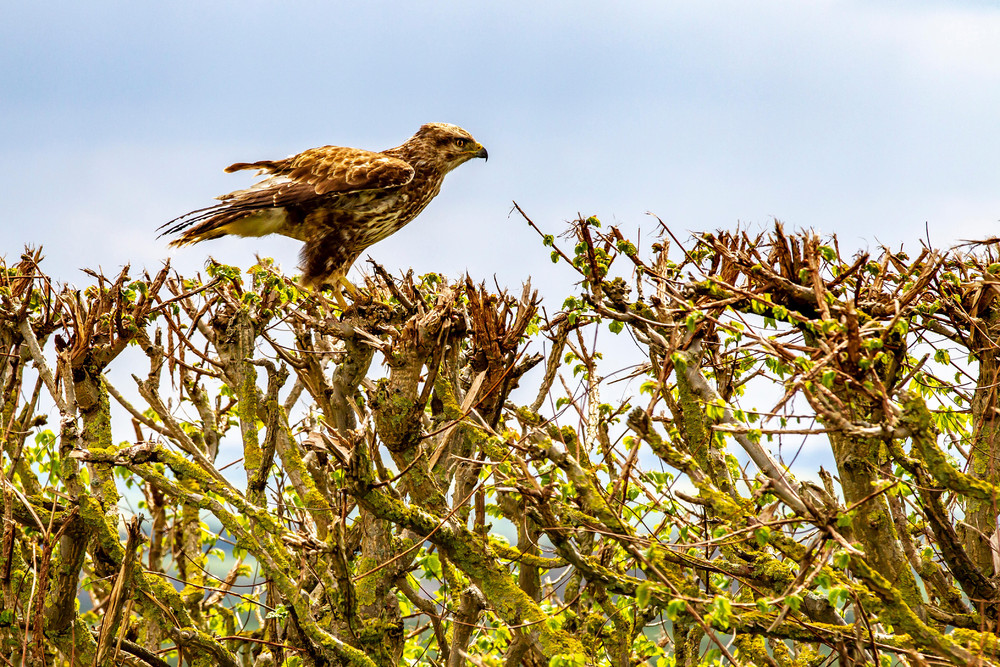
(337, 200)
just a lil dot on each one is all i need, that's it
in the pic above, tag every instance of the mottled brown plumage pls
(337, 200)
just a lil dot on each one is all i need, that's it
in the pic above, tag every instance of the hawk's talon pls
(341, 285)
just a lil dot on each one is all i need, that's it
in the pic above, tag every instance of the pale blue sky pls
(865, 119)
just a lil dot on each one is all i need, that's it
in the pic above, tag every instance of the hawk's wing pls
(310, 176)
(335, 169)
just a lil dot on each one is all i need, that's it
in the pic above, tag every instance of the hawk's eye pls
(460, 142)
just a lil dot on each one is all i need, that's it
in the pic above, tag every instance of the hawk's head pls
(447, 145)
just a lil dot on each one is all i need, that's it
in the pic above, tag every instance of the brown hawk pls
(337, 200)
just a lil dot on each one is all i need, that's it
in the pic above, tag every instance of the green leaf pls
(280, 612)
(431, 565)
(643, 594)
(721, 612)
(692, 320)
(675, 608)
(648, 387)
(838, 595)
(626, 248)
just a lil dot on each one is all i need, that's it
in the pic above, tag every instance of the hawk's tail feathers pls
(201, 224)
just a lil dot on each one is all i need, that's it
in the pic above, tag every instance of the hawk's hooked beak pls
(482, 153)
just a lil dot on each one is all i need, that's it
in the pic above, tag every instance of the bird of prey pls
(337, 200)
